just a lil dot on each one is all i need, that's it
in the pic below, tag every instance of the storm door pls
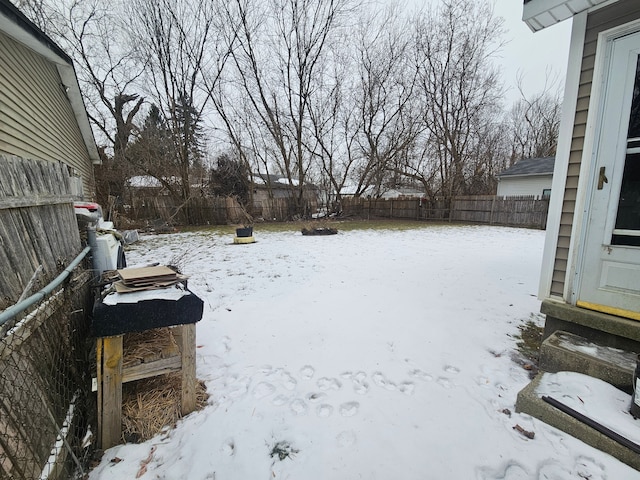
(609, 272)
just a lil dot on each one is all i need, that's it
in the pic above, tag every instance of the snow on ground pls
(374, 354)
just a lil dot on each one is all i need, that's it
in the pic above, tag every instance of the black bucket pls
(244, 232)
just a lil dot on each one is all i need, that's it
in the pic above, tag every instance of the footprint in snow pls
(288, 381)
(280, 400)
(407, 388)
(451, 369)
(346, 438)
(325, 410)
(444, 382)
(420, 375)
(266, 369)
(325, 383)
(238, 386)
(511, 470)
(299, 407)
(263, 389)
(382, 381)
(360, 384)
(349, 409)
(228, 447)
(307, 372)
(315, 397)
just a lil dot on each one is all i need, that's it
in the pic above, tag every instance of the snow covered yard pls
(374, 354)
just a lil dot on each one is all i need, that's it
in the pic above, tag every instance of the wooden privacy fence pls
(44, 389)
(525, 211)
(209, 210)
(37, 223)
(522, 211)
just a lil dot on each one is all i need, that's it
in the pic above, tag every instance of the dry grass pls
(150, 406)
(148, 346)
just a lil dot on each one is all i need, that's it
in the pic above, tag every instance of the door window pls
(627, 227)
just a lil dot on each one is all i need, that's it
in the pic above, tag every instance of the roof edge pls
(37, 39)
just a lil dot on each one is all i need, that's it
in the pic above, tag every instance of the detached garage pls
(530, 176)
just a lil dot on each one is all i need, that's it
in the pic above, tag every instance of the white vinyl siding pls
(36, 117)
(526, 185)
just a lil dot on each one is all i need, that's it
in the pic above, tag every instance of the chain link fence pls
(45, 386)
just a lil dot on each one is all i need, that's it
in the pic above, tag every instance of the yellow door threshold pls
(618, 312)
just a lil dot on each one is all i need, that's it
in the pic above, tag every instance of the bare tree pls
(282, 46)
(460, 90)
(387, 107)
(535, 121)
(97, 39)
(186, 55)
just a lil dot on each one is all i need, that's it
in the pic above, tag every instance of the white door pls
(609, 272)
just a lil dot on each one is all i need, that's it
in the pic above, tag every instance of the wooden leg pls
(111, 428)
(99, 346)
(187, 339)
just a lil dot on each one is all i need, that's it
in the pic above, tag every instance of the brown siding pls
(615, 15)
(36, 118)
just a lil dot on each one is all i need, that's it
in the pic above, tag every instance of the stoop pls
(563, 351)
(529, 402)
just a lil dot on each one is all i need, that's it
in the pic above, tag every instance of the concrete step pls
(563, 351)
(531, 403)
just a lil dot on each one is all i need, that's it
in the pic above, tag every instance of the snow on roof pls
(264, 179)
(144, 181)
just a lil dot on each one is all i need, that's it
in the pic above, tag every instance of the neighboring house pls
(42, 115)
(530, 176)
(268, 186)
(389, 194)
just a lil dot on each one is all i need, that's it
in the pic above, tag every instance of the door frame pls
(587, 176)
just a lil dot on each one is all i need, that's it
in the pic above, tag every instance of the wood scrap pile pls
(319, 231)
(147, 278)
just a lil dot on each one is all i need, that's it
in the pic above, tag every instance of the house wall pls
(36, 117)
(529, 185)
(600, 20)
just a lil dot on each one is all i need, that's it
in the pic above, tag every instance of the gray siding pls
(36, 118)
(617, 14)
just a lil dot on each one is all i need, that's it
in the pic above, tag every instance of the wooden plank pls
(187, 346)
(35, 201)
(99, 350)
(152, 369)
(111, 391)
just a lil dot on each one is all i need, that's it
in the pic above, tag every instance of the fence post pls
(493, 202)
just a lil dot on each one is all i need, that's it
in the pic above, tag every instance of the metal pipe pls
(93, 243)
(593, 424)
(19, 307)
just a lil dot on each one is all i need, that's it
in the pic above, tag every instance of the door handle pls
(602, 178)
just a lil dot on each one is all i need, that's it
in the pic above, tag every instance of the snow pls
(594, 398)
(144, 181)
(374, 354)
(607, 354)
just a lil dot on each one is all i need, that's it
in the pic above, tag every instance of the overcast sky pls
(531, 53)
(526, 52)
